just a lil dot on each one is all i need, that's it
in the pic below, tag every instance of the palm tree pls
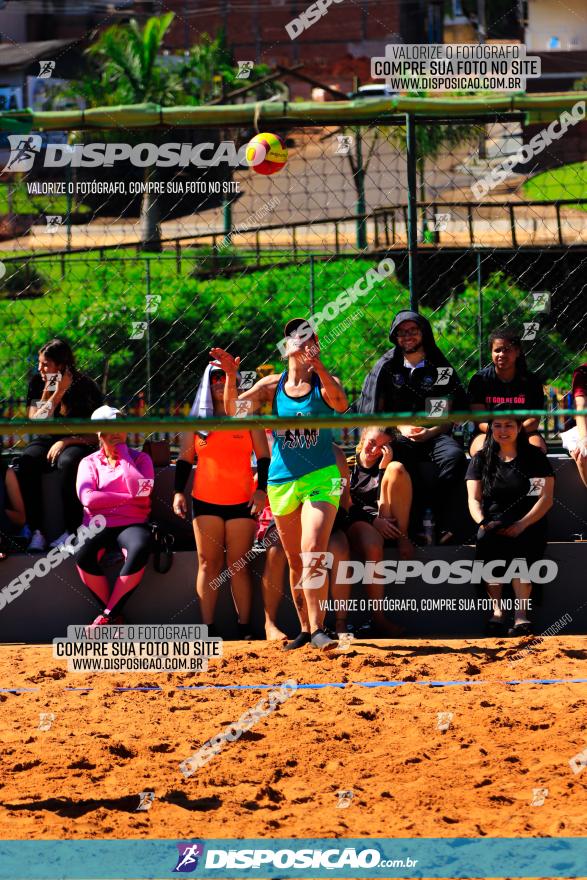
(128, 60)
(431, 141)
(127, 67)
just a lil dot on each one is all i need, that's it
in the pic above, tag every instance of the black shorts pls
(224, 511)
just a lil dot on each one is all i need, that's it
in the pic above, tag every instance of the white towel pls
(202, 407)
(571, 440)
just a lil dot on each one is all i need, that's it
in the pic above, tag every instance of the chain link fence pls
(484, 229)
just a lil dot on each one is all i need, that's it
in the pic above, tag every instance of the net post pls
(412, 218)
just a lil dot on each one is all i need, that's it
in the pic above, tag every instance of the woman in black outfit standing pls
(58, 390)
(510, 485)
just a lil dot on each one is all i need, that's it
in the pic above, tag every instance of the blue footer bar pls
(297, 857)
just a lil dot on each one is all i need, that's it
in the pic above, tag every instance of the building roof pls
(18, 55)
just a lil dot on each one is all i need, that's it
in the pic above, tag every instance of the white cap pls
(106, 412)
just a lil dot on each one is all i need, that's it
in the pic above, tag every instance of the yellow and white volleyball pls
(266, 153)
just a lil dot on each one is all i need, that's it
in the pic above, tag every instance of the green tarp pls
(539, 108)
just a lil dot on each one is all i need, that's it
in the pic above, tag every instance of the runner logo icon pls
(188, 858)
(23, 150)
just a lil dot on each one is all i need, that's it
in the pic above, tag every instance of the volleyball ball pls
(266, 153)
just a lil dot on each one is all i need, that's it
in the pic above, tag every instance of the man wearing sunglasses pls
(415, 377)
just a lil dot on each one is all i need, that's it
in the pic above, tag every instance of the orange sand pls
(81, 778)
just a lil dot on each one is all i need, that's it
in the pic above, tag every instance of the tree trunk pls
(150, 215)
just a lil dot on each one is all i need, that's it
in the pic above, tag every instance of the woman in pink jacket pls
(116, 482)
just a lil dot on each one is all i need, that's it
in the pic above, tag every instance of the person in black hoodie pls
(408, 376)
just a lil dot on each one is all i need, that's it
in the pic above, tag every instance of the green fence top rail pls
(344, 420)
(541, 107)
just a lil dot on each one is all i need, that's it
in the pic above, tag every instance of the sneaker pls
(300, 640)
(60, 540)
(322, 641)
(38, 542)
(524, 628)
(330, 632)
(101, 620)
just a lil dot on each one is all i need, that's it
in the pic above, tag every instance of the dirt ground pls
(81, 778)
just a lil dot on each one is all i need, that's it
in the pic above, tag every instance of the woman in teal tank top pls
(304, 480)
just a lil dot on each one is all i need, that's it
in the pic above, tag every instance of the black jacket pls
(392, 387)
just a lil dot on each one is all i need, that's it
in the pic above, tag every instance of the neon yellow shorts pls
(320, 485)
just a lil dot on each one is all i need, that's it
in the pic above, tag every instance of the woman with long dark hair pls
(510, 485)
(304, 480)
(507, 383)
(56, 391)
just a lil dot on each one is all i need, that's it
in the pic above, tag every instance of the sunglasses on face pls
(217, 379)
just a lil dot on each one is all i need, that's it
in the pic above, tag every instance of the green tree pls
(431, 141)
(126, 66)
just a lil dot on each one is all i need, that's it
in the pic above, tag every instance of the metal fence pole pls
(479, 311)
(311, 284)
(68, 208)
(361, 209)
(148, 333)
(412, 212)
(227, 219)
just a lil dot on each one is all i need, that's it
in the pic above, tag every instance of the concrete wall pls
(567, 517)
(60, 599)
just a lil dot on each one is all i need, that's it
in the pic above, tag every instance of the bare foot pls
(405, 548)
(274, 634)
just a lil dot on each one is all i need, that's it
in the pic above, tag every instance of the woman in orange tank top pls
(225, 500)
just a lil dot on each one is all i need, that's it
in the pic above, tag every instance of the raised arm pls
(261, 392)
(332, 390)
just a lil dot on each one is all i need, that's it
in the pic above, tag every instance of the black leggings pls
(135, 540)
(30, 467)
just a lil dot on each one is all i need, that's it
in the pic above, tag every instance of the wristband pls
(262, 473)
(183, 470)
